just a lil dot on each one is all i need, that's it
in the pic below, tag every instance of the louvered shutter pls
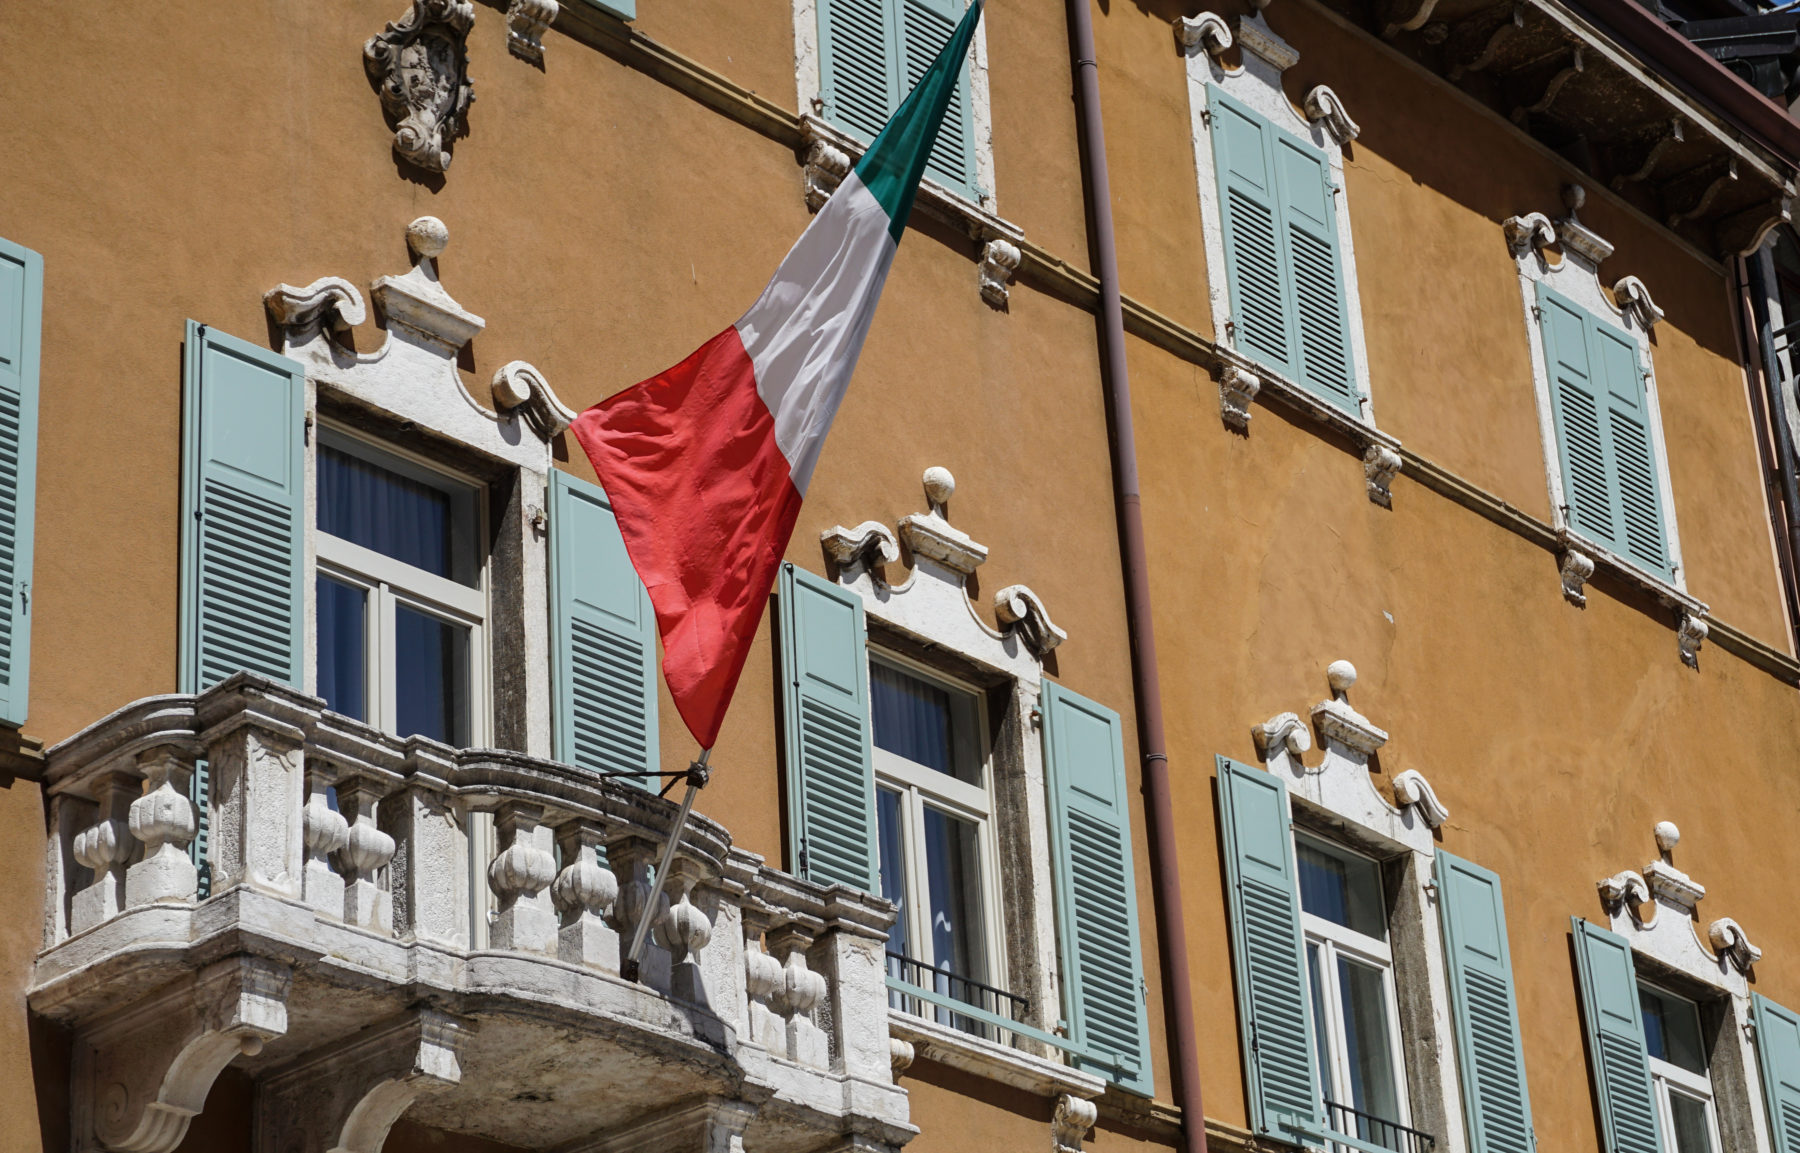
(925, 27)
(1274, 1015)
(859, 63)
(1636, 489)
(21, 324)
(1575, 401)
(1778, 1053)
(242, 502)
(1096, 890)
(1617, 1055)
(603, 633)
(1496, 1104)
(1255, 263)
(826, 732)
(1308, 212)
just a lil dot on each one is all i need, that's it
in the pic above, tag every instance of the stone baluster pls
(254, 749)
(763, 980)
(325, 832)
(163, 820)
(366, 852)
(801, 991)
(104, 847)
(633, 858)
(520, 875)
(584, 893)
(684, 930)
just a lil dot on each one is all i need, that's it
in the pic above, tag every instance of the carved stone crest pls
(420, 63)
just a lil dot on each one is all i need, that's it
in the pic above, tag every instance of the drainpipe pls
(1166, 878)
(1771, 372)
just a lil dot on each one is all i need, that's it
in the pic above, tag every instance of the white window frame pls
(1667, 1078)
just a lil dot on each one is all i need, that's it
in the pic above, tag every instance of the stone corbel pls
(520, 386)
(1411, 788)
(526, 23)
(1071, 1122)
(346, 1096)
(1282, 731)
(329, 303)
(1690, 634)
(1729, 941)
(824, 169)
(999, 260)
(1206, 32)
(1528, 233)
(141, 1076)
(1324, 108)
(1634, 300)
(1553, 88)
(1744, 231)
(1727, 173)
(900, 1056)
(1675, 134)
(1627, 891)
(1018, 605)
(1380, 465)
(420, 64)
(868, 544)
(1576, 568)
(1237, 388)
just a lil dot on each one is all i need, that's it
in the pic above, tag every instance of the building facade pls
(1290, 642)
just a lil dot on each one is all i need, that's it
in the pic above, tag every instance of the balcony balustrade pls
(348, 960)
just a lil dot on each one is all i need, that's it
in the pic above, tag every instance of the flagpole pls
(696, 780)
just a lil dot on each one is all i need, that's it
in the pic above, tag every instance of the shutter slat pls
(858, 61)
(1496, 1102)
(1253, 259)
(1273, 1006)
(1778, 1056)
(603, 634)
(827, 735)
(1084, 755)
(1615, 1031)
(925, 27)
(21, 335)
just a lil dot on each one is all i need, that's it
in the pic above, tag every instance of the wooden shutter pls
(242, 502)
(603, 637)
(1096, 890)
(21, 324)
(1636, 488)
(859, 64)
(925, 27)
(1575, 401)
(826, 732)
(1615, 1033)
(1496, 1104)
(1274, 1011)
(1308, 210)
(1255, 263)
(1778, 1053)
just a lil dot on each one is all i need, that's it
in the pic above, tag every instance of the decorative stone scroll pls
(1018, 605)
(999, 260)
(1381, 464)
(526, 22)
(1237, 388)
(1324, 107)
(1657, 908)
(420, 64)
(1576, 567)
(1206, 32)
(1070, 1123)
(1528, 233)
(1411, 788)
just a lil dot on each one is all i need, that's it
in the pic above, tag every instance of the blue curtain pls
(366, 504)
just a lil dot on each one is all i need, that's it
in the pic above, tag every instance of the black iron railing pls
(987, 998)
(1367, 1127)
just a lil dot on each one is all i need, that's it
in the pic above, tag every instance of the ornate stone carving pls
(1237, 388)
(1018, 606)
(1070, 1123)
(1282, 731)
(1634, 300)
(526, 22)
(1529, 232)
(1255, 35)
(1340, 724)
(420, 63)
(1624, 891)
(999, 260)
(330, 301)
(584, 894)
(900, 1056)
(825, 168)
(931, 534)
(1673, 135)
(1576, 236)
(1553, 88)
(1207, 31)
(1380, 465)
(1690, 634)
(1411, 788)
(104, 847)
(684, 930)
(366, 851)
(1722, 175)
(519, 386)
(869, 543)
(1576, 567)
(325, 831)
(1323, 107)
(1636, 902)
(1729, 941)
(163, 820)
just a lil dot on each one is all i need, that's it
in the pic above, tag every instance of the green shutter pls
(859, 64)
(1638, 492)
(1615, 1034)
(623, 9)
(1255, 266)
(21, 324)
(1778, 1052)
(1274, 1011)
(1315, 265)
(242, 472)
(1496, 1104)
(925, 26)
(603, 633)
(1096, 892)
(826, 732)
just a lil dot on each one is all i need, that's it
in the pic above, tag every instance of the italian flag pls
(706, 463)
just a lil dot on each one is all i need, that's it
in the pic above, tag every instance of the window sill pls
(1014, 1067)
(1579, 559)
(1242, 380)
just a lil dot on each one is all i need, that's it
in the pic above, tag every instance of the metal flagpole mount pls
(697, 775)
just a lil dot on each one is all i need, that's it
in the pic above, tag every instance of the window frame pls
(1667, 1078)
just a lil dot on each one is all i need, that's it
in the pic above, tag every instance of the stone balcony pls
(347, 959)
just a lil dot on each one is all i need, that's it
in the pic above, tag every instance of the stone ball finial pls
(427, 236)
(940, 486)
(1574, 196)
(1341, 675)
(1667, 836)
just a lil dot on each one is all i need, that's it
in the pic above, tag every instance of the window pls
(1678, 1071)
(1350, 973)
(400, 598)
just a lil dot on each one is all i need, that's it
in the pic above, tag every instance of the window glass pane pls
(1692, 1132)
(892, 852)
(1341, 888)
(919, 720)
(953, 866)
(400, 516)
(1362, 989)
(1672, 1029)
(431, 677)
(343, 621)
